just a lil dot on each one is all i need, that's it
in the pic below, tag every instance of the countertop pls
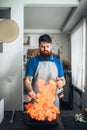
(20, 124)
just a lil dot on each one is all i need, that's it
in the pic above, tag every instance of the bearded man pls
(44, 66)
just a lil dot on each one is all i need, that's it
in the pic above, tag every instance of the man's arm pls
(28, 85)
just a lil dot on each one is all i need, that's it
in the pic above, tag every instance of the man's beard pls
(45, 56)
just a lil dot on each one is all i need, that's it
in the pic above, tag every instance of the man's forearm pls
(28, 84)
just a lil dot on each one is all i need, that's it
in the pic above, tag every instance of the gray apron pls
(46, 70)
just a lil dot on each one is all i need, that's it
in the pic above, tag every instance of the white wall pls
(53, 2)
(11, 61)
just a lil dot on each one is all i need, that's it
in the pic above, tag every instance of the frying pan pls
(9, 30)
(32, 122)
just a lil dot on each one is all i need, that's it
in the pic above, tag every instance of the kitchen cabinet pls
(19, 123)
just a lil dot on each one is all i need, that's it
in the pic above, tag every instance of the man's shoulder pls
(34, 59)
(56, 58)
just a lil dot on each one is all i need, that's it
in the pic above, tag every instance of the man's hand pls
(31, 95)
(60, 82)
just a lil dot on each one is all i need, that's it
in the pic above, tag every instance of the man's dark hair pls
(45, 38)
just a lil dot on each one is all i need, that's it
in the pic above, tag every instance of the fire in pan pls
(43, 111)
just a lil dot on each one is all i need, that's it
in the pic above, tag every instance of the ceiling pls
(61, 18)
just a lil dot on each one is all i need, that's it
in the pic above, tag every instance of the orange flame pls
(44, 107)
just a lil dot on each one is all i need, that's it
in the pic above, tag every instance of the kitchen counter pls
(19, 123)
